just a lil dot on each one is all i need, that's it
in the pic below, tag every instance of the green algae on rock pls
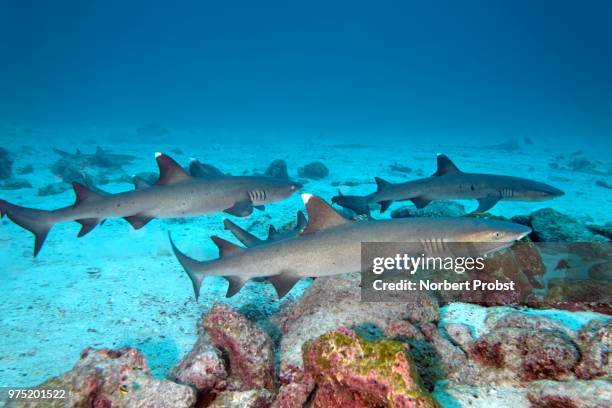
(351, 371)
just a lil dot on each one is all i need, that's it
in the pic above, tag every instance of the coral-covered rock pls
(527, 354)
(570, 394)
(261, 398)
(579, 294)
(335, 301)
(203, 367)
(295, 393)
(277, 169)
(118, 378)
(552, 226)
(315, 171)
(250, 349)
(601, 271)
(595, 342)
(352, 372)
(433, 209)
(459, 333)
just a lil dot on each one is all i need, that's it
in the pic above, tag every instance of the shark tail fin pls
(248, 239)
(359, 204)
(198, 270)
(38, 222)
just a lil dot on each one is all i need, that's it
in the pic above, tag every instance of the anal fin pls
(241, 209)
(283, 283)
(138, 221)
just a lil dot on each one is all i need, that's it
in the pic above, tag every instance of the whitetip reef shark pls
(331, 244)
(175, 194)
(450, 183)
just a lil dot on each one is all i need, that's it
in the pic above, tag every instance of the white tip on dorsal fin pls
(321, 215)
(169, 170)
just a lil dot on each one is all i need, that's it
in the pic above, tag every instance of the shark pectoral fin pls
(169, 171)
(320, 215)
(87, 225)
(384, 205)
(301, 221)
(420, 202)
(283, 283)
(138, 221)
(235, 284)
(487, 203)
(445, 166)
(140, 183)
(271, 232)
(241, 209)
(259, 207)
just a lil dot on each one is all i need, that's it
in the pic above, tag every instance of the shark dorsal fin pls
(301, 221)
(140, 183)
(271, 232)
(99, 150)
(381, 184)
(83, 193)
(169, 170)
(320, 215)
(445, 166)
(226, 247)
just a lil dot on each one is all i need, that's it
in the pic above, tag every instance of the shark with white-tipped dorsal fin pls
(331, 244)
(175, 194)
(450, 183)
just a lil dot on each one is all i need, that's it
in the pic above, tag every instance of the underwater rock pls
(244, 399)
(570, 394)
(595, 343)
(277, 169)
(203, 367)
(27, 169)
(603, 230)
(579, 294)
(552, 226)
(434, 209)
(250, 349)
(526, 353)
(53, 189)
(459, 333)
(67, 172)
(105, 378)
(582, 164)
(352, 372)
(331, 302)
(400, 168)
(6, 164)
(15, 184)
(601, 271)
(315, 171)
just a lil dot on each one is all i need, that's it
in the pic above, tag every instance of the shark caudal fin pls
(248, 239)
(38, 222)
(358, 204)
(198, 270)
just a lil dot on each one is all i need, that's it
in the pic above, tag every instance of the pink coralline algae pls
(250, 349)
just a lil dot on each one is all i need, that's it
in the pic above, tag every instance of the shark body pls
(331, 244)
(450, 183)
(175, 194)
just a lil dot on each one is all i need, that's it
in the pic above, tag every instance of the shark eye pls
(498, 234)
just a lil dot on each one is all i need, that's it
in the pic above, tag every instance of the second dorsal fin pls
(320, 215)
(169, 170)
(226, 247)
(445, 166)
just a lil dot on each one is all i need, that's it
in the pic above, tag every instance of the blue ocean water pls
(520, 88)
